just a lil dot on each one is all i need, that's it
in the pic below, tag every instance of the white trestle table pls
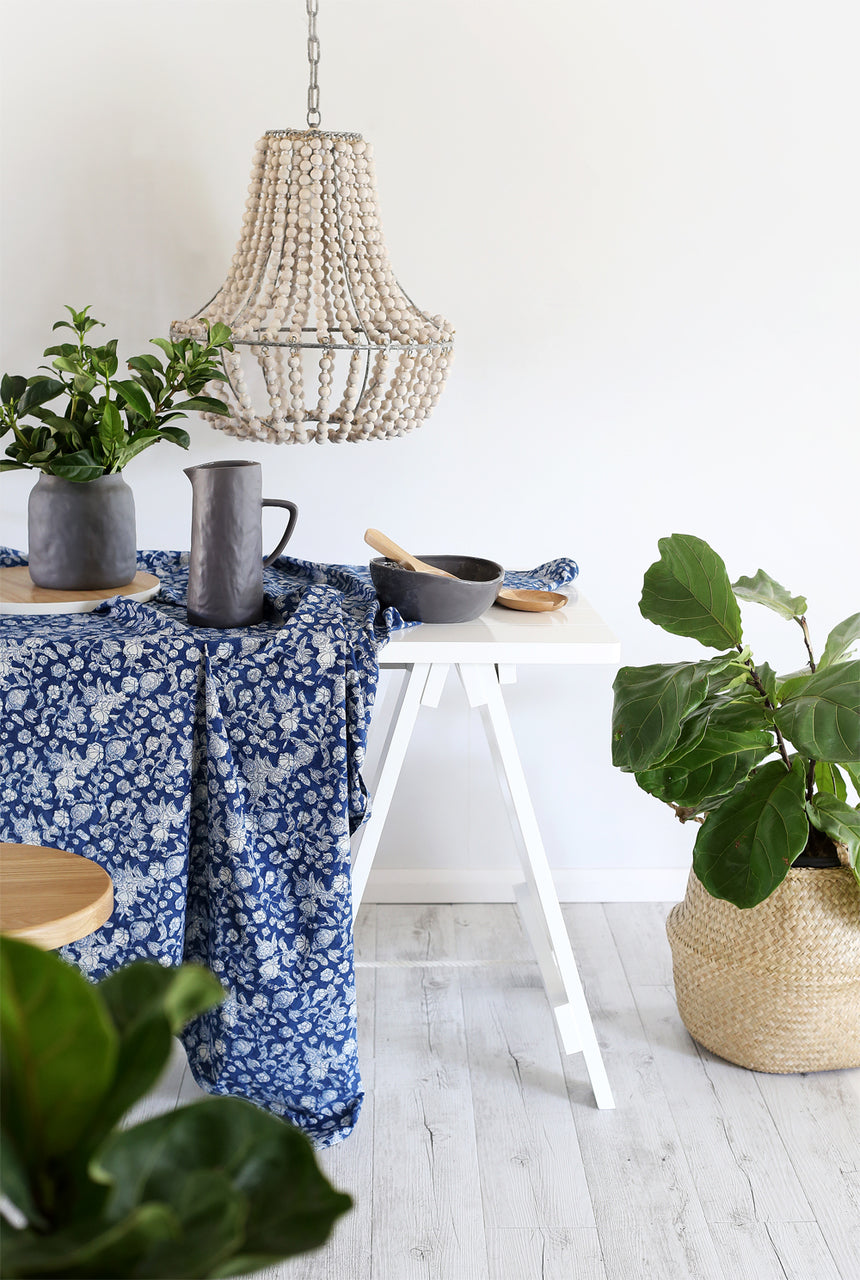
(485, 654)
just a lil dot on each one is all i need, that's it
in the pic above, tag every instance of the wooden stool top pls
(49, 897)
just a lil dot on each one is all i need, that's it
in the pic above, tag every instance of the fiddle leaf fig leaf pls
(139, 992)
(794, 682)
(746, 847)
(769, 679)
(763, 589)
(218, 1188)
(148, 1005)
(829, 779)
(706, 805)
(15, 1184)
(691, 788)
(211, 1228)
(650, 704)
(841, 641)
(820, 713)
(59, 1052)
(687, 592)
(723, 714)
(258, 1156)
(103, 1248)
(854, 774)
(839, 821)
(717, 749)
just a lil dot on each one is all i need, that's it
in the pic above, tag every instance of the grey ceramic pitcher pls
(225, 579)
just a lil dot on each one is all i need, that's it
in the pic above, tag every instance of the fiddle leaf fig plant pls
(107, 420)
(761, 762)
(216, 1188)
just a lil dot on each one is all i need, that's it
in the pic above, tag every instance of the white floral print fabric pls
(216, 775)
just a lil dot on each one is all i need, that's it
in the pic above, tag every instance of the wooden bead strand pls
(345, 412)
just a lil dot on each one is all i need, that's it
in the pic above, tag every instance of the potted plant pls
(81, 524)
(766, 945)
(216, 1188)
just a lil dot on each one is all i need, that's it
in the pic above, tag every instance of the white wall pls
(643, 220)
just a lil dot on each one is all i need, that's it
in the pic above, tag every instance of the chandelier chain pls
(313, 58)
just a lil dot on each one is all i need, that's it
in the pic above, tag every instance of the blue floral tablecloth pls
(216, 775)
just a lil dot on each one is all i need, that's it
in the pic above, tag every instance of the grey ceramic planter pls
(82, 536)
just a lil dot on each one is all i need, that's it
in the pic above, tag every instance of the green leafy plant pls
(761, 761)
(107, 420)
(217, 1188)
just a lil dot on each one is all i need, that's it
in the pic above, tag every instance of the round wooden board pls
(19, 593)
(51, 897)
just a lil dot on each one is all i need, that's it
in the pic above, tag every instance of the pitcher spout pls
(232, 466)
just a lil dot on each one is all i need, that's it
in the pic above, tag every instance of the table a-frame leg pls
(537, 898)
(423, 684)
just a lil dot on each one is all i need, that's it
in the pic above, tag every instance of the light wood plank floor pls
(480, 1154)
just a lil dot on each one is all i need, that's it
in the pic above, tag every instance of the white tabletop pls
(574, 634)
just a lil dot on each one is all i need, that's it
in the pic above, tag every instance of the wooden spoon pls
(530, 601)
(510, 597)
(392, 551)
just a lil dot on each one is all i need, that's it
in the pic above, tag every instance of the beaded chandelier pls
(323, 333)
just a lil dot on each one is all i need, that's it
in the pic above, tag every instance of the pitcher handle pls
(294, 511)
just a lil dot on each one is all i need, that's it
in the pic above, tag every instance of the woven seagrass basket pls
(774, 987)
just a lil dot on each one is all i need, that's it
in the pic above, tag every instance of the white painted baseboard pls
(599, 884)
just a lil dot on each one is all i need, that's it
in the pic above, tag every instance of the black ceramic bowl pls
(422, 597)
